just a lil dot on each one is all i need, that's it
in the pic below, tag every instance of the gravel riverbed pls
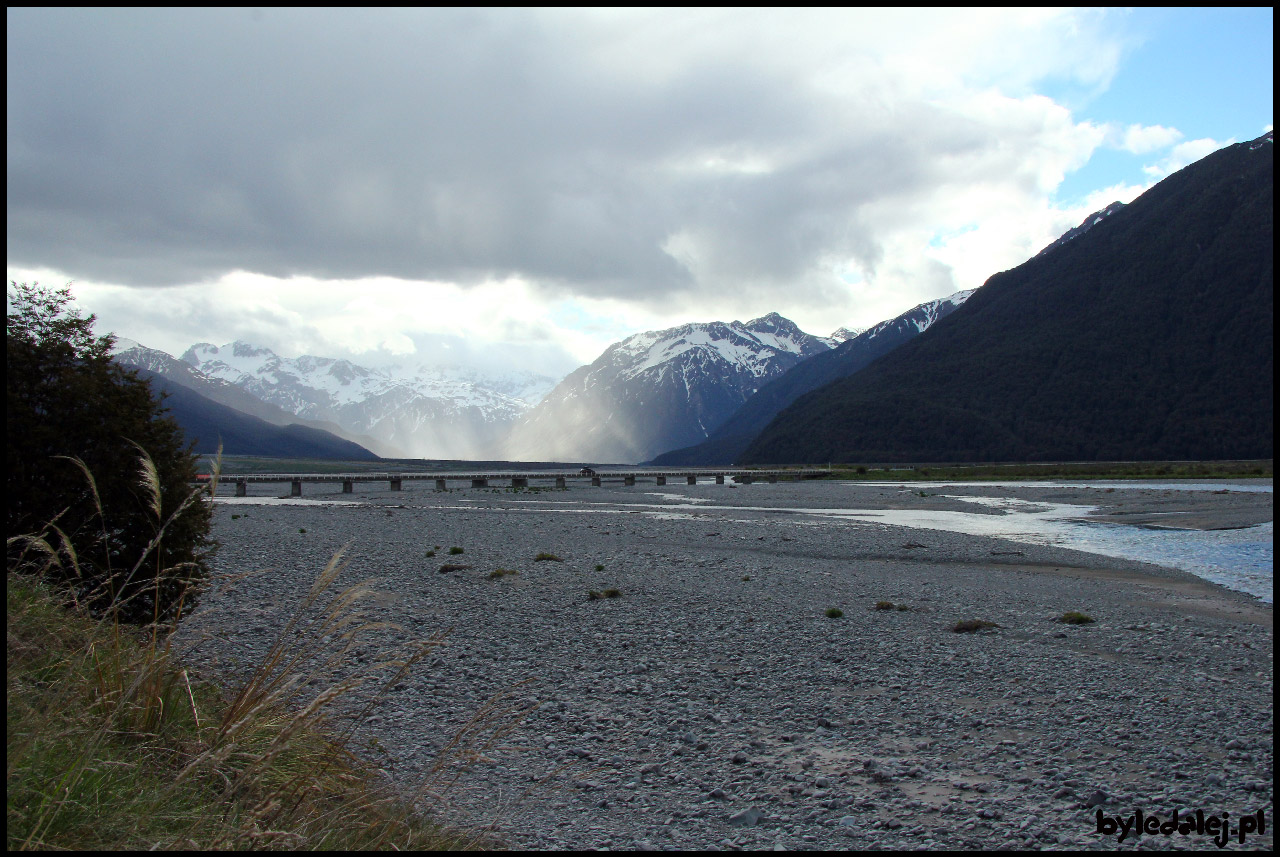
(715, 704)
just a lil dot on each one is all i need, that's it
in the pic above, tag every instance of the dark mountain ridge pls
(1147, 337)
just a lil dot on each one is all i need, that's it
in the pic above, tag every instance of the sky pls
(519, 188)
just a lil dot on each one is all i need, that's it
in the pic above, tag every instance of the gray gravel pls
(714, 704)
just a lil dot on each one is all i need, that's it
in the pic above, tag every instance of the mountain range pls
(659, 390)
(1147, 336)
(725, 444)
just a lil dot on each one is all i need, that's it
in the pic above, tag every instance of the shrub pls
(431, 553)
(968, 626)
(302, 529)
(745, 578)
(501, 572)
(1073, 617)
(612, 593)
(834, 612)
(885, 605)
(448, 567)
(593, 595)
(599, 567)
(133, 540)
(454, 551)
(550, 557)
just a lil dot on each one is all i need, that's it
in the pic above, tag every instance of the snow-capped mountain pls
(433, 412)
(844, 334)
(725, 443)
(659, 390)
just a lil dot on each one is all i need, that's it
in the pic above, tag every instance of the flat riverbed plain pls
(715, 704)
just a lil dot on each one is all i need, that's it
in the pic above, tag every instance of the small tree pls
(124, 532)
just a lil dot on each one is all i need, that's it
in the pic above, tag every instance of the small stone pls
(749, 817)
(1098, 798)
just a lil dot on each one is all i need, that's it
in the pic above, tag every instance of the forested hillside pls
(1148, 337)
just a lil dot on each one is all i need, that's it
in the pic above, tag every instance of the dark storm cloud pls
(158, 147)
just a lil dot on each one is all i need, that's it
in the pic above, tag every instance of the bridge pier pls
(519, 482)
(242, 488)
(347, 487)
(595, 481)
(479, 483)
(691, 480)
(628, 480)
(440, 485)
(719, 478)
(559, 481)
(395, 484)
(662, 480)
(295, 488)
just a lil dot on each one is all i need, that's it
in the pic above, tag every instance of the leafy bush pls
(129, 539)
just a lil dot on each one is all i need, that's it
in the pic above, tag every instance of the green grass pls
(454, 551)
(1074, 617)
(113, 744)
(834, 612)
(1058, 470)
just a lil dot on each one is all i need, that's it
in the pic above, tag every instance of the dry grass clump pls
(593, 595)
(969, 626)
(449, 566)
(547, 557)
(501, 572)
(1074, 617)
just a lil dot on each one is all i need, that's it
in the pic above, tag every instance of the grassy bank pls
(112, 744)
(1071, 470)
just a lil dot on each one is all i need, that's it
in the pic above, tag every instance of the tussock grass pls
(1074, 617)
(113, 744)
(501, 572)
(969, 626)
(834, 612)
(547, 557)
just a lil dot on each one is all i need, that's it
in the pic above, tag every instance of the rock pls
(749, 817)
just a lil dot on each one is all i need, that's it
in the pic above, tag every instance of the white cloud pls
(1182, 155)
(376, 181)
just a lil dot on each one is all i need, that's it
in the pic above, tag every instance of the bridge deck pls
(458, 475)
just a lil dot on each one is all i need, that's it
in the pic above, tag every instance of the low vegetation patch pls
(431, 553)
(599, 567)
(448, 567)
(1074, 617)
(550, 557)
(834, 612)
(113, 745)
(885, 605)
(501, 572)
(455, 550)
(593, 595)
(969, 626)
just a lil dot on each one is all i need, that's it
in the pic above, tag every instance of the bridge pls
(521, 479)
